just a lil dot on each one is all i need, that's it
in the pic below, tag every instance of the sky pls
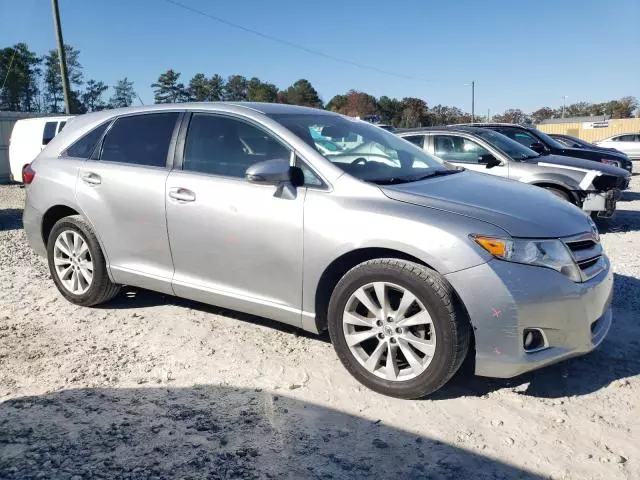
(521, 54)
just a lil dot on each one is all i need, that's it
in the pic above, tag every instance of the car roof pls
(493, 124)
(442, 128)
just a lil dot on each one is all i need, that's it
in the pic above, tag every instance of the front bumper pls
(604, 203)
(504, 298)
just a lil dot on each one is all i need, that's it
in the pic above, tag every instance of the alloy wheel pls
(72, 261)
(389, 331)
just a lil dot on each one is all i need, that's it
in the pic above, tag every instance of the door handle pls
(91, 179)
(182, 195)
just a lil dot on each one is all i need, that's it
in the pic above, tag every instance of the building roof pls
(592, 118)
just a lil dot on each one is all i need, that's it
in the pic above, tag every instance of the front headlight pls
(608, 161)
(542, 253)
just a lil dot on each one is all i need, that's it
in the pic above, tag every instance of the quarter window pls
(458, 149)
(140, 139)
(85, 146)
(225, 146)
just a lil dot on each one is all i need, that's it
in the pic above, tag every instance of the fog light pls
(533, 339)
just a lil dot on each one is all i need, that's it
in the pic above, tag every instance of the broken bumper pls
(503, 299)
(603, 203)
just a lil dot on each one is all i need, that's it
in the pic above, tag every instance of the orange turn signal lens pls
(495, 246)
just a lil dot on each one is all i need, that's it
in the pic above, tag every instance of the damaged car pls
(595, 188)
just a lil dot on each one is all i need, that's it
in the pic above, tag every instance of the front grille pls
(587, 253)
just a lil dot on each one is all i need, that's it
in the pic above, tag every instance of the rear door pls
(121, 190)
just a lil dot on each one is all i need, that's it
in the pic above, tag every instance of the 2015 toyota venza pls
(409, 263)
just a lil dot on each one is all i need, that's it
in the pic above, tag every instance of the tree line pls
(33, 83)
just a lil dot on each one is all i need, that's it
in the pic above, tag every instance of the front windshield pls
(361, 149)
(513, 149)
(550, 141)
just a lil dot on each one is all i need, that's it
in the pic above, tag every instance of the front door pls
(467, 153)
(122, 193)
(234, 243)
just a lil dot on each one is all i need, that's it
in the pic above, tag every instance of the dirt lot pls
(152, 386)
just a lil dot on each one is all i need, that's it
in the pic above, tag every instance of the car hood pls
(519, 209)
(593, 154)
(578, 163)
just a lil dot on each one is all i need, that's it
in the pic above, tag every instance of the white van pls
(28, 137)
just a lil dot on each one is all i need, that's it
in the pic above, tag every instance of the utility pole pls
(488, 115)
(473, 101)
(62, 57)
(564, 100)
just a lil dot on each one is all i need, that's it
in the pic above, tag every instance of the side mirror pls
(489, 160)
(277, 172)
(537, 147)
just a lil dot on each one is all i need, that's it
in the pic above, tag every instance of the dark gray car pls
(593, 187)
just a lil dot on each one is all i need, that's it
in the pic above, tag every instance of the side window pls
(225, 146)
(524, 138)
(458, 149)
(417, 140)
(49, 132)
(61, 126)
(85, 146)
(140, 139)
(626, 138)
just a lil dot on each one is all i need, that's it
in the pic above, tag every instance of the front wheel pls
(559, 193)
(397, 328)
(77, 264)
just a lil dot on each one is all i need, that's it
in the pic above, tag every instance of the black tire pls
(101, 289)
(559, 193)
(451, 325)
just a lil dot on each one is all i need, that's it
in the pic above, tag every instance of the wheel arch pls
(558, 186)
(345, 262)
(62, 210)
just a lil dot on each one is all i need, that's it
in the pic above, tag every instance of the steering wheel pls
(359, 161)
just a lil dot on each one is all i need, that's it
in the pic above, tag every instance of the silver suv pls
(411, 265)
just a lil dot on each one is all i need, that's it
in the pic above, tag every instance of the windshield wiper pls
(397, 180)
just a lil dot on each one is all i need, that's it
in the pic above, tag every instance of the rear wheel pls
(77, 264)
(397, 328)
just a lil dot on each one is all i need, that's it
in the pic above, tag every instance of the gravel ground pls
(151, 386)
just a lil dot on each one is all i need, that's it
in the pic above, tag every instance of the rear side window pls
(49, 132)
(626, 138)
(417, 140)
(61, 126)
(140, 139)
(84, 147)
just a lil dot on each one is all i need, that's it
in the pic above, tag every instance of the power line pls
(294, 45)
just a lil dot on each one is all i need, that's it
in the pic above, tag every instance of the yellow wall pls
(617, 126)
